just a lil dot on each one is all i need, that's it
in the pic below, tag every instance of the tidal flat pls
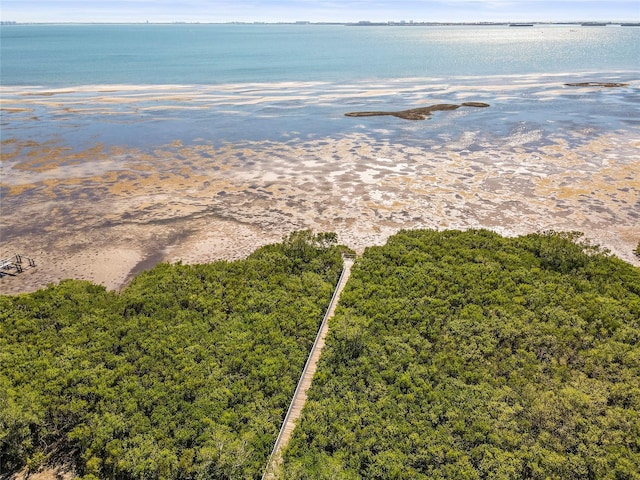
(98, 184)
(99, 214)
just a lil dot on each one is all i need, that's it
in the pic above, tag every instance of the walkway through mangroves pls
(300, 394)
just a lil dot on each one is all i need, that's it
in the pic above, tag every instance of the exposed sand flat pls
(102, 214)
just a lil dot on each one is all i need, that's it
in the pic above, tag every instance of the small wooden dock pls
(11, 266)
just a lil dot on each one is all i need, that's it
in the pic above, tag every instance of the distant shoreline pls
(364, 23)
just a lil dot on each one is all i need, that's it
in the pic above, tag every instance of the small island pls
(421, 113)
(597, 84)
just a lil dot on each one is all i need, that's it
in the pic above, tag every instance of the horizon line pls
(399, 23)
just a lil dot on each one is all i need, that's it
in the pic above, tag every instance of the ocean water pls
(166, 126)
(132, 84)
(72, 55)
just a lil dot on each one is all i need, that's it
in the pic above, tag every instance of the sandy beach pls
(104, 214)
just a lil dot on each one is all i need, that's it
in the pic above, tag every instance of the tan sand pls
(104, 214)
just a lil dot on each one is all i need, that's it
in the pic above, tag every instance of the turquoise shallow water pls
(138, 85)
(63, 55)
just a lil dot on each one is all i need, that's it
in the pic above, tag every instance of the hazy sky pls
(317, 10)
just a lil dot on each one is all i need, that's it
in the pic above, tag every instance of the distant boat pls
(521, 24)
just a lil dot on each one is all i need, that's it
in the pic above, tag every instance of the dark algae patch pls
(421, 113)
(597, 84)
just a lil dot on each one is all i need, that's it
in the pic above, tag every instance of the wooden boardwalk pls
(274, 462)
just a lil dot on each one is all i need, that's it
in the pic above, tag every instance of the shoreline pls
(116, 266)
(102, 215)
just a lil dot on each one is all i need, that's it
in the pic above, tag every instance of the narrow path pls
(300, 395)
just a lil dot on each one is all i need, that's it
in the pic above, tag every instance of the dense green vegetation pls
(186, 374)
(452, 355)
(465, 355)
